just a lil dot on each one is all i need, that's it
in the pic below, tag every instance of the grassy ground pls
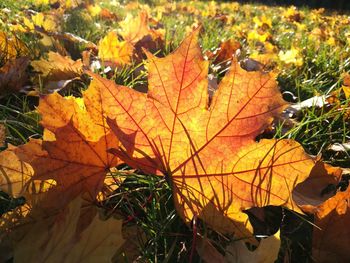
(309, 51)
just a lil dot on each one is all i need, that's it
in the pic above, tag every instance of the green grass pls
(147, 201)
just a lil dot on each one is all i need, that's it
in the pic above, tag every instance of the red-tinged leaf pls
(136, 28)
(77, 165)
(73, 151)
(225, 52)
(208, 151)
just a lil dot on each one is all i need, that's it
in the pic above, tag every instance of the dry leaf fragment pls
(331, 241)
(13, 76)
(58, 67)
(57, 71)
(310, 194)
(340, 147)
(173, 131)
(207, 251)
(267, 252)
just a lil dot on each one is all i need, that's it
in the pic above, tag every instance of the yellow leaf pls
(111, 49)
(267, 251)
(291, 56)
(346, 91)
(57, 239)
(48, 22)
(94, 10)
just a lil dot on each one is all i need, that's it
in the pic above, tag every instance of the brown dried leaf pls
(331, 241)
(13, 76)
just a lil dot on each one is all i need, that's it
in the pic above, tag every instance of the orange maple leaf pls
(134, 29)
(225, 52)
(73, 151)
(207, 151)
(74, 154)
(136, 34)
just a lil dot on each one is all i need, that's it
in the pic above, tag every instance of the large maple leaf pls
(207, 151)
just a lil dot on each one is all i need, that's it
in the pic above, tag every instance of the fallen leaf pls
(136, 35)
(11, 47)
(267, 251)
(291, 56)
(346, 91)
(57, 71)
(58, 67)
(225, 52)
(13, 76)
(172, 131)
(311, 193)
(75, 144)
(15, 175)
(77, 165)
(73, 153)
(111, 49)
(207, 251)
(55, 239)
(50, 22)
(16, 179)
(133, 29)
(130, 250)
(331, 238)
(346, 85)
(339, 147)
